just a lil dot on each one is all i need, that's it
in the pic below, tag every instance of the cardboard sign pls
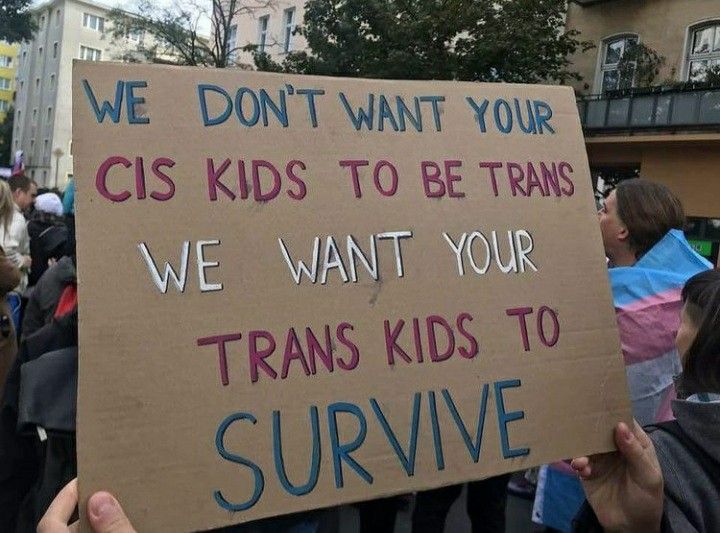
(298, 292)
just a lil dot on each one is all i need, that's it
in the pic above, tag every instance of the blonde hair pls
(6, 205)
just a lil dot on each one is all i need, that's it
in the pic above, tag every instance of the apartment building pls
(67, 30)
(8, 66)
(667, 130)
(270, 29)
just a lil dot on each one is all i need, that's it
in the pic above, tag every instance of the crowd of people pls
(664, 476)
(38, 349)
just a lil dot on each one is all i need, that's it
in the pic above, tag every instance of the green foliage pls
(170, 31)
(639, 66)
(477, 40)
(16, 21)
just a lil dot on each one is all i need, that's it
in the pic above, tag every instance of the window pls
(5, 83)
(42, 21)
(93, 22)
(32, 144)
(40, 50)
(262, 32)
(704, 52)
(55, 50)
(52, 81)
(34, 118)
(24, 56)
(4, 106)
(37, 83)
(288, 28)
(613, 51)
(57, 18)
(5, 61)
(90, 54)
(135, 35)
(46, 148)
(49, 112)
(232, 43)
(22, 85)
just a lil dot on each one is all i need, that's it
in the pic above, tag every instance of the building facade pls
(8, 67)
(270, 29)
(664, 127)
(67, 30)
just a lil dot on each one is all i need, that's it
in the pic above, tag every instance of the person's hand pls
(103, 511)
(52, 262)
(624, 488)
(27, 261)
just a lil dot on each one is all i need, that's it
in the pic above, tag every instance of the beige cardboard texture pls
(453, 278)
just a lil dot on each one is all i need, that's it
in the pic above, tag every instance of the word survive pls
(348, 414)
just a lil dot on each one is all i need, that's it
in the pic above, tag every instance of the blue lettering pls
(133, 100)
(473, 447)
(259, 479)
(340, 452)
(504, 418)
(240, 112)
(310, 95)
(279, 112)
(507, 126)
(480, 111)
(543, 114)
(408, 461)
(530, 128)
(435, 100)
(404, 112)
(280, 464)
(207, 121)
(386, 113)
(362, 117)
(439, 458)
(107, 108)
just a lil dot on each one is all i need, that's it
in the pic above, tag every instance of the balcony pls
(656, 108)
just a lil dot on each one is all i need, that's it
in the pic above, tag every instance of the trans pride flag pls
(647, 305)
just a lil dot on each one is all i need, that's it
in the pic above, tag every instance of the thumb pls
(632, 449)
(106, 515)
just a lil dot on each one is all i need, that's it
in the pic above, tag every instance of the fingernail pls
(103, 506)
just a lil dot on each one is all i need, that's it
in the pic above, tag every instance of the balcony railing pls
(658, 108)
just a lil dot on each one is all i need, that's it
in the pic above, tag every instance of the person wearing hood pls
(650, 261)
(667, 480)
(48, 234)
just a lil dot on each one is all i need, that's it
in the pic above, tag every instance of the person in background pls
(650, 260)
(69, 198)
(667, 480)
(16, 241)
(9, 278)
(48, 235)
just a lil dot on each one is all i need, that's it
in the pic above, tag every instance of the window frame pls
(6, 84)
(602, 67)
(83, 47)
(232, 43)
(99, 25)
(690, 57)
(263, 32)
(289, 25)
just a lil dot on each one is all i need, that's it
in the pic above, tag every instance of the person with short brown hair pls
(635, 217)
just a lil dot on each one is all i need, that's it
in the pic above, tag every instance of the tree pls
(477, 40)
(171, 32)
(639, 66)
(6, 131)
(16, 21)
